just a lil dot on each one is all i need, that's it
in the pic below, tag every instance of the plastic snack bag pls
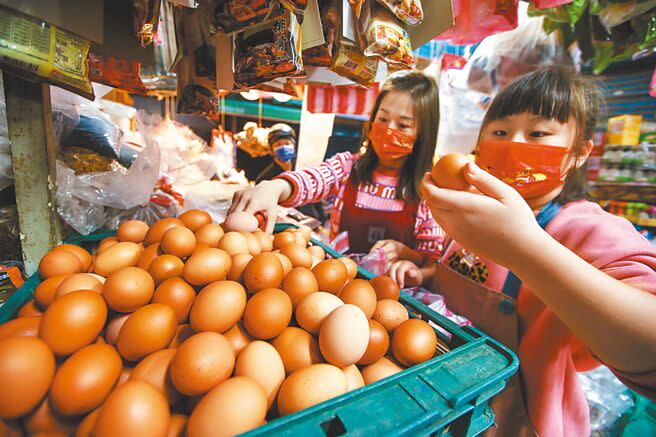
(408, 11)
(387, 40)
(350, 63)
(477, 19)
(268, 51)
(235, 15)
(146, 18)
(615, 13)
(322, 55)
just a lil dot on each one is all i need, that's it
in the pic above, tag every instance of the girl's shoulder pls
(585, 228)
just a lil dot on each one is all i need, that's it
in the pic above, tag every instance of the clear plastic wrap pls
(607, 397)
(408, 11)
(477, 19)
(235, 15)
(388, 41)
(159, 206)
(6, 169)
(217, 210)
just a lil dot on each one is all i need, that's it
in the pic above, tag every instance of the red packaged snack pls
(388, 41)
(408, 11)
(474, 20)
(116, 73)
(268, 51)
(234, 15)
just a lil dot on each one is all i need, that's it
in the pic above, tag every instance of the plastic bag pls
(217, 210)
(607, 397)
(268, 51)
(387, 40)
(6, 169)
(322, 55)
(356, 5)
(146, 18)
(234, 15)
(9, 234)
(159, 206)
(408, 11)
(616, 13)
(477, 19)
(350, 63)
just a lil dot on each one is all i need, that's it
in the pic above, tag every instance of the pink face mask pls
(390, 144)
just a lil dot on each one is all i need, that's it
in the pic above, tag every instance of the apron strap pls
(512, 284)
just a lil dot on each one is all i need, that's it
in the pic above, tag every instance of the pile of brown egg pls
(188, 327)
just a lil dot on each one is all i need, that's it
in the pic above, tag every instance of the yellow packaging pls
(37, 48)
(624, 130)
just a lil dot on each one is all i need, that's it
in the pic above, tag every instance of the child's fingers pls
(271, 220)
(449, 200)
(486, 183)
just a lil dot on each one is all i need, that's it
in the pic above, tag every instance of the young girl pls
(377, 197)
(539, 268)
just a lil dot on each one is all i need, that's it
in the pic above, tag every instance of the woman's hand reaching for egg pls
(496, 224)
(264, 197)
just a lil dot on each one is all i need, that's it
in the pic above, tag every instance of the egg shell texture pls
(177, 294)
(147, 330)
(331, 275)
(209, 234)
(177, 426)
(81, 253)
(30, 309)
(361, 294)
(238, 338)
(132, 230)
(384, 367)
(165, 267)
(312, 310)
(147, 256)
(390, 314)
(263, 271)
(207, 266)
(154, 234)
(297, 349)
(378, 345)
(59, 262)
(118, 256)
(44, 293)
(127, 289)
(414, 342)
(310, 386)
(267, 313)
(155, 370)
(386, 287)
(449, 173)
(239, 263)
(22, 327)
(344, 336)
(298, 255)
(178, 241)
(261, 362)
(353, 376)
(234, 243)
(114, 327)
(78, 281)
(298, 284)
(218, 307)
(194, 219)
(44, 419)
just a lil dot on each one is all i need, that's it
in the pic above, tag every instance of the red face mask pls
(533, 170)
(390, 144)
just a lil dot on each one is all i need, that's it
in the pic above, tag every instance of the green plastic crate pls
(445, 396)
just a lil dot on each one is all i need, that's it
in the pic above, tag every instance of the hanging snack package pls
(357, 6)
(477, 19)
(387, 40)
(408, 11)
(350, 63)
(268, 51)
(235, 15)
(297, 6)
(146, 18)
(322, 55)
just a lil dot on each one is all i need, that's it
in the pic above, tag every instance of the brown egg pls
(261, 362)
(238, 338)
(149, 254)
(128, 289)
(390, 314)
(59, 262)
(177, 294)
(310, 386)
(254, 247)
(200, 246)
(21, 327)
(177, 426)
(100, 279)
(78, 281)
(210, 233)
(286, 263)
(234, 243)
(312, 310)
(201, 362)
(81, 254)
(154, 234)
(266, 243)
(44, 293)
(118, 256)
(386, 287)
(114, 327)
(331, 275)
(384, 367)
(218, 307)
(85, 379)
(344, 336)
(125, 375)
(73, 321)
(105, 244)
(298, 255)
(238, 405)
(132, 230)
(133, 409)
(239, 263)
(361, 294)
(263, 271)
(378, 343)
(318, 252)
(29, 310)
(267, 313)
(181, 334)
(315, 261)
(240, 221)
(147, 330)
(353, 376)
(297, 349)
(449, 172)
(178, 241)
(86, 426)
(10, 428)
(155, 370)
(27, 366)
(414, 342)
(195, 219)
(351, 267)
(282, 239)
(44, 419)
(166, 267)
(298, 284)
(207, 266)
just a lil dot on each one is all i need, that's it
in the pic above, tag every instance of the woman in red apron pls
(376, 194)
(578, 284)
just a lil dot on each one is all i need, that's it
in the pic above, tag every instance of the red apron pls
(365, 226)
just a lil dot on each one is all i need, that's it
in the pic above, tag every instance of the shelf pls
(626, 191)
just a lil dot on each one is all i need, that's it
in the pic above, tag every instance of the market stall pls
(136, 304)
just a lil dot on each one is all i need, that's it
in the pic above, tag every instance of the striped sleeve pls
(429, 236)
(314, 184)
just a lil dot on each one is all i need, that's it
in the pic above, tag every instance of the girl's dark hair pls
(425, 100)
(556, 93)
